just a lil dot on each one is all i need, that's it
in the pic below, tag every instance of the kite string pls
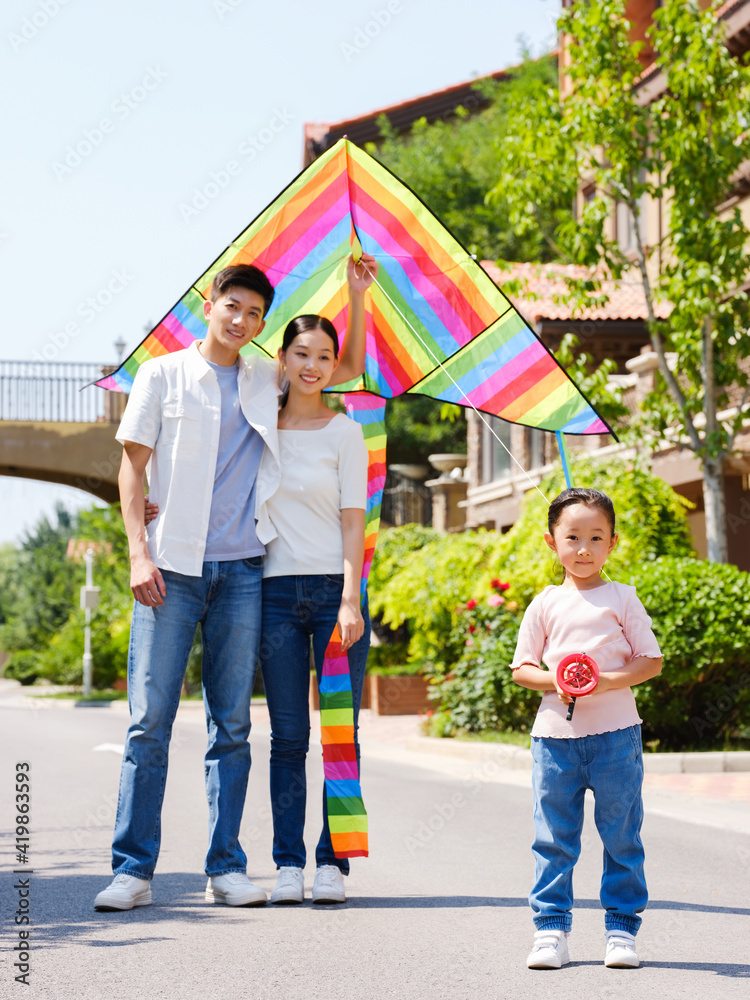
(456, 385)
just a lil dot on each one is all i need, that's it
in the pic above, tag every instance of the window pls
(495, 459)
(534, 448)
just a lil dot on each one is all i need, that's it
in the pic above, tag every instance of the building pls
(494, 485)
(496, 488)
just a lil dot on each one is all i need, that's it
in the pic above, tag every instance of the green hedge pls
(701, 618)
(438, 596)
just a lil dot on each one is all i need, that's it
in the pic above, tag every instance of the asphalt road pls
(439, 910)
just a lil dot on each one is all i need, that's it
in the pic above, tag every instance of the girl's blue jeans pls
(299, 612)
(611, 765)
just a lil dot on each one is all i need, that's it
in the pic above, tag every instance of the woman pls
(312, 570)
(311, 582)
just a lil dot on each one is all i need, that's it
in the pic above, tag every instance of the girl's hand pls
(360, 276)
(351, 623)
(564, 698)
(151, 511)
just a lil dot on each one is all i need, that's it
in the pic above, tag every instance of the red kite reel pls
(577, 675)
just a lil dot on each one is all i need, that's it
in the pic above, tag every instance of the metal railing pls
(406, 501)
(50, 391)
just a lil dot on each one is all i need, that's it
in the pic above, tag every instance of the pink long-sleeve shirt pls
(608, 623)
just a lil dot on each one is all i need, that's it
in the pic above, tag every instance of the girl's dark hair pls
(303, 324)
(590, 498)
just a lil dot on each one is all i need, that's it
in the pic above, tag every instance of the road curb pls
(517, 758)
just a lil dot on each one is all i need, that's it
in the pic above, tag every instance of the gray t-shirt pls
(231, 523)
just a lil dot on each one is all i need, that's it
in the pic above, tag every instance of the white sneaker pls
(123, 893)
(329, 885)
(621, 953)
(234, 889)
(550, 950)
(290, 886)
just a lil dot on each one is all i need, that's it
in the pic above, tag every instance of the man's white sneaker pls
(550, 950)
(621, 953)
(234, 889)
(329, 885)
(290, 886)
(123, 893)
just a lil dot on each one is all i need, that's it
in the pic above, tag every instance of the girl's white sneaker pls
(550, 950)
(621, 953)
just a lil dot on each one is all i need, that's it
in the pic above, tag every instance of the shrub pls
(478, 692)
(651, 522)
(23, 665)
(701, 618)
(427, 588)
(421, 580)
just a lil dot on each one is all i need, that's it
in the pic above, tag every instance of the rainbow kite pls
(436, 325)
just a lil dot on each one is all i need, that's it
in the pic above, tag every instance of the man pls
(199, 420)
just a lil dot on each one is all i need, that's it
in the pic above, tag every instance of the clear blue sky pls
(114, 114)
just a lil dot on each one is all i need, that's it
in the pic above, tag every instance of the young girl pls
(600, 747)
(311, 581)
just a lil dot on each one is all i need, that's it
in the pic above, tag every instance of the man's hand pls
(146, 582)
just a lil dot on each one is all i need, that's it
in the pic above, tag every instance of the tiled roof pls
(545, 284)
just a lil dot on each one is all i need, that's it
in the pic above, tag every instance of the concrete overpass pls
(52, 431)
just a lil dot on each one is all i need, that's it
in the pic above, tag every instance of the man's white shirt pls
(175, 409)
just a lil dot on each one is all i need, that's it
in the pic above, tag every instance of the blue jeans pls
(611, 765)
(299, 611)
(226, 601)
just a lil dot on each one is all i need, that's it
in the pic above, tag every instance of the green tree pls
(685, 146)
(415, 429)
(43, 623)
(451, 164)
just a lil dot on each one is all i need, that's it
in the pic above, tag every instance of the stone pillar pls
(448, 490)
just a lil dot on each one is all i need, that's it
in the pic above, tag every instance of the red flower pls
(470, 605)
(472, 629)
(494, 584)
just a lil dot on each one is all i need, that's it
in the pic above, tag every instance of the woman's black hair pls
(303, 324)
(590, 498)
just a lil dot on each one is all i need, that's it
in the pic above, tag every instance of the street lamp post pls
(89, 601)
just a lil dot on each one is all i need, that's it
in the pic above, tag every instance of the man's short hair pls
(243, 276)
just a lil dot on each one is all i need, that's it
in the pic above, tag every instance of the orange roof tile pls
(545, 284)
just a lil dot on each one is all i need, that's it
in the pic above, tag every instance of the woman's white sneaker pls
(329, 885)
(550, 950)
(290, 886)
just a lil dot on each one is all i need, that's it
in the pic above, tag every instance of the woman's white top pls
(323, 472)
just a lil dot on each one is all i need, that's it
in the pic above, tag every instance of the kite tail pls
(347, 816)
